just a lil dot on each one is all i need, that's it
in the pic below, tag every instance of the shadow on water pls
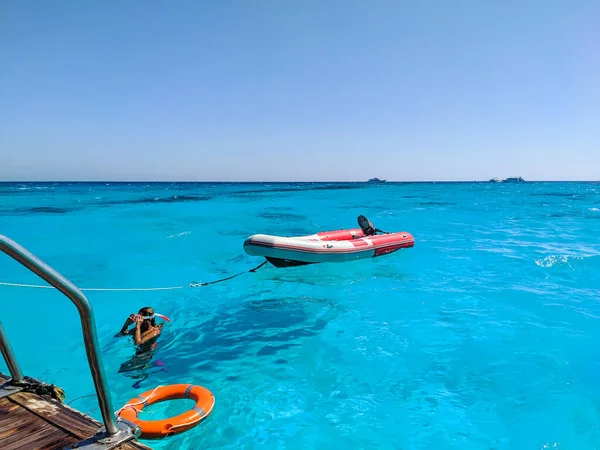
(300, 188)
(275, 304)
(572, 214)
(148, 200)
(259, 328)
(343, 274)
(276, 215)
(260, 190)
(49, 210)
(432, 203)
(139, 201)
(140, 367)
(144, 362)
(574, 196)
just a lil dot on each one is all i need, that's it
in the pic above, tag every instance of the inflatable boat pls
(328, 246)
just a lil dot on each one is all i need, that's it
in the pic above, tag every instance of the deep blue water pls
(483, 336)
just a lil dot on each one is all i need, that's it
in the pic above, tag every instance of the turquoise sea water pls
(483, 336)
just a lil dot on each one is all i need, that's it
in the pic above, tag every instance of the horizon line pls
(293, 181)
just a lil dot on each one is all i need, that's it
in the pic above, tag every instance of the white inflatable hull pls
(332, 246)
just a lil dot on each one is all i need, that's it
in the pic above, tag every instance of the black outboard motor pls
(367, 226)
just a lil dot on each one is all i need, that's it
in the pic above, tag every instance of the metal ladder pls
(116, 431)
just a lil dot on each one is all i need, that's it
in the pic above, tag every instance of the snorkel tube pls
(151, 317)
(156, 315)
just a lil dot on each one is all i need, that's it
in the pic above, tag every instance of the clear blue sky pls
(299, 90)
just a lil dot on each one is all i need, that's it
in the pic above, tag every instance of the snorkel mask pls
(161, 316)
(156, 315)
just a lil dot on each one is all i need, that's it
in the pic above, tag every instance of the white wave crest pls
(177, 235)
(553, 260)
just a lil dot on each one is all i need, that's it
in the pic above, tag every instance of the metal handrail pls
(86, 314)
(9, 356)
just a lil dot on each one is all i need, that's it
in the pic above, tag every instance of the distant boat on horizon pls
(376, 180)
(508, 180)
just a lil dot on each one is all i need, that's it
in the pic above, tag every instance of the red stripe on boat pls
(341, 235)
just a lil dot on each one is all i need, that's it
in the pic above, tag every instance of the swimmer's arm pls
(123, 331)
(140, 339)
(137, 336)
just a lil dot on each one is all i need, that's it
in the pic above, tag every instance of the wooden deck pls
(31, 422)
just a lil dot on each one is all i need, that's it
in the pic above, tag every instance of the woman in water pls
(145, 334)
(146, 331)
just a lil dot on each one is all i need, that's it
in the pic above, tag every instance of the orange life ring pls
(156, 429)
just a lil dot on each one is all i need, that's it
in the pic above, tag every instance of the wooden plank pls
(58, 414)
(20, 418)
(35, 440)
(23, 421)
(6, 406)
(28, 422)
(53, 443)
(7, 411)
(24, 433)
(60, 442)
(65, 418)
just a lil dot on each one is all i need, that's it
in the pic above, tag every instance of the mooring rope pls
(206, 283)
(38, 286)
(193, 284)
(80, 397)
